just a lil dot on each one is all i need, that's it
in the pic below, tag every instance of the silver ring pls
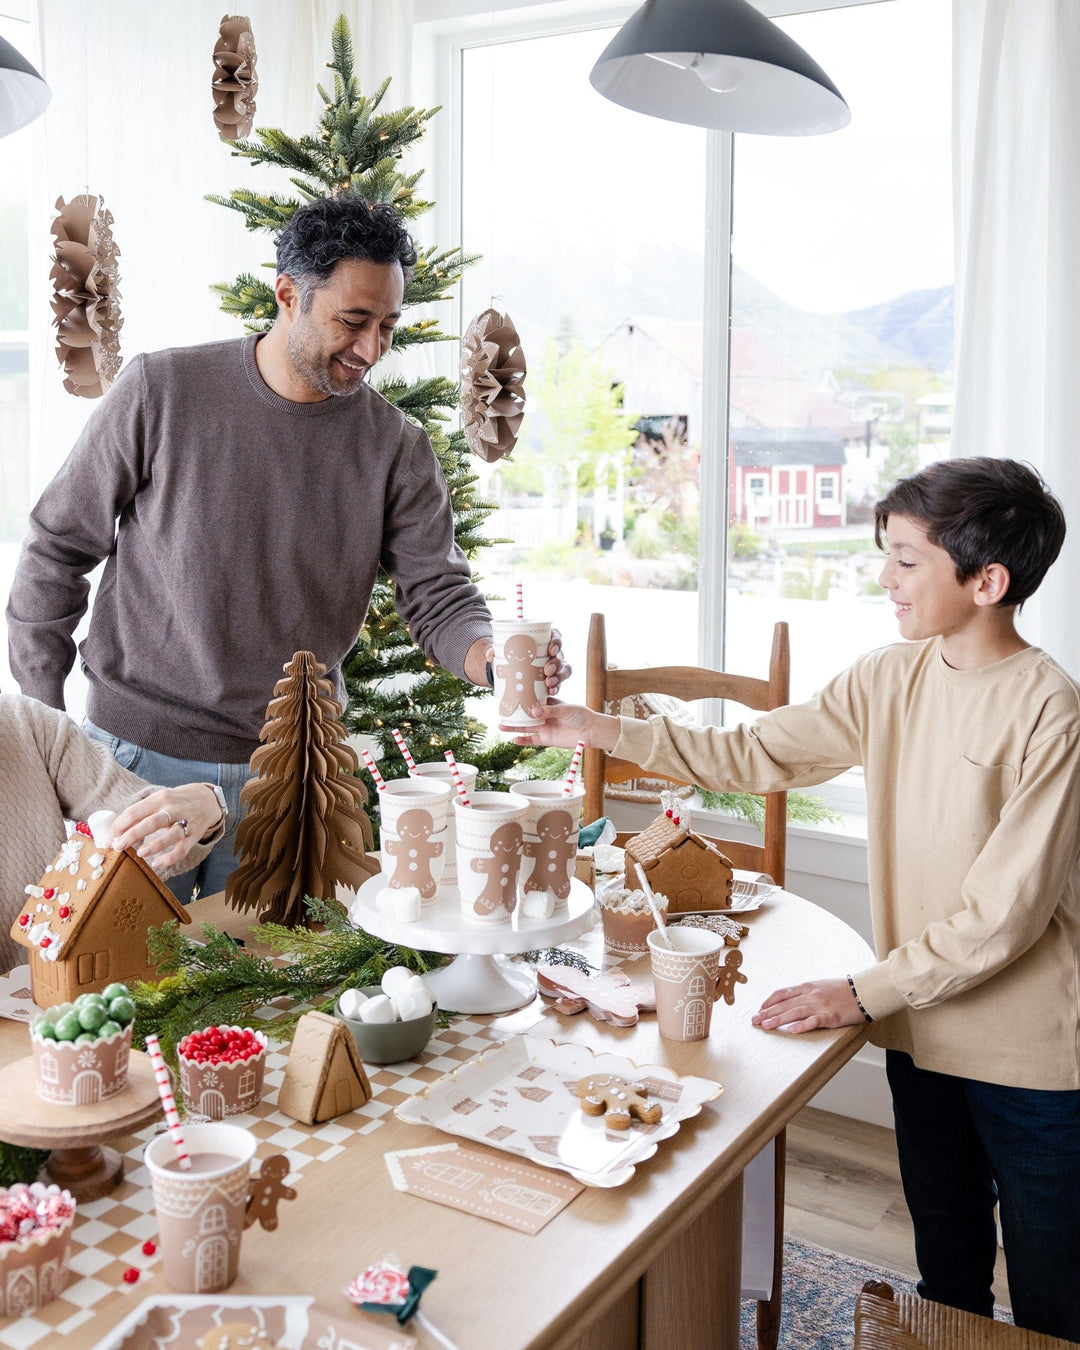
(183, 826)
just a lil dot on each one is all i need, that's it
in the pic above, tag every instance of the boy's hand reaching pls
(808, 1007)
(565, 724)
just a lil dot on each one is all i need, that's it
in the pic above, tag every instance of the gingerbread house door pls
(87, 1087)
(212, 1103)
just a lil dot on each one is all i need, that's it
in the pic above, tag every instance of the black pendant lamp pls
(24, 95)
(719, 64)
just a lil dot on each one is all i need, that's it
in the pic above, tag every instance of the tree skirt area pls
(820, 1289)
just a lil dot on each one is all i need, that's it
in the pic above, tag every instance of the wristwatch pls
(216, 790)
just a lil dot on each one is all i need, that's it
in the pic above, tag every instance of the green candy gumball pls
(109, 1028)
(112, 991)
(68, 1027)
(122, 1009)
(92, 1015)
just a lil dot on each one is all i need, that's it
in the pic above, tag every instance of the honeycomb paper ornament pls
(86, 295)
(305, 829)
(492, 385)
(235, 83)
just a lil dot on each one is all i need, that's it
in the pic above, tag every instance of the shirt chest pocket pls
(972, 799)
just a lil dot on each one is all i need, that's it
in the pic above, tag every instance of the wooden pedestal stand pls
(78, 1161)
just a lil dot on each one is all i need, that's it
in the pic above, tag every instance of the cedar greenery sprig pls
(215, 982)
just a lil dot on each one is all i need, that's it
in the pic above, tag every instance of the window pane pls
(842, 337)
(590, 220)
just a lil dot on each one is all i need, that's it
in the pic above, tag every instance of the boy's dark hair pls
(322, 233)
(982, 511)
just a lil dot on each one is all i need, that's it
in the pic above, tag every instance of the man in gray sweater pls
(244, 495)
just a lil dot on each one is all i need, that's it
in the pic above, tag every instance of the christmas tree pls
(358, 147)
(305, 827)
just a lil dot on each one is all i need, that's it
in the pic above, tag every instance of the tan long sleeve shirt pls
(973, 800)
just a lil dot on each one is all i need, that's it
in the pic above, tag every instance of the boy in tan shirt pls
(970, 743)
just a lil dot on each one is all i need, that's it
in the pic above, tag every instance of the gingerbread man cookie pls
(728, 976)
(413, 852)
(554, 854)
(501, 870)
(518, 675)
(235, 1336)
(266, 1192)
(602, 1094)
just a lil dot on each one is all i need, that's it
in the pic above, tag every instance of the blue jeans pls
(963, 1145)
(164, 771)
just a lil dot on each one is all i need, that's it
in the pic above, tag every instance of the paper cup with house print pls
(551, 825)
(412, 834)
(685, 980)
(201, 1212)
(440, 772)
(518, 670)
(489, 844)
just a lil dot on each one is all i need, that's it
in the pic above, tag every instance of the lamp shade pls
(24, 95)
(719, 64)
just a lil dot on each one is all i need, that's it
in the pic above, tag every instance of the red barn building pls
(785, 477)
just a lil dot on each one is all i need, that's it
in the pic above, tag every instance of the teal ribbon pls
(591, 833)
(419, 1278)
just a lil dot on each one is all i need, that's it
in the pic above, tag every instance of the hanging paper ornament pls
(492, 385)
(86, 295)
(235, 83)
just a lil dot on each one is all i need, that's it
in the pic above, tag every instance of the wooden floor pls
(844, 1193)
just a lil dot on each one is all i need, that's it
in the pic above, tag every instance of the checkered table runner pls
(108, 1234)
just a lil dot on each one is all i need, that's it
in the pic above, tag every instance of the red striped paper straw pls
(568, 785)
(405, 755)
(164, 1087)
(455, 774)
(372, 769)
(520, 602)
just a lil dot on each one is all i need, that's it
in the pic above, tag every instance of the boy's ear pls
(992, 584)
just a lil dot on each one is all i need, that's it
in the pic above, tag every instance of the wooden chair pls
(888, 1321)
(606, 685)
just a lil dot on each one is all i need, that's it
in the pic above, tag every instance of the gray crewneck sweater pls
(238, 528)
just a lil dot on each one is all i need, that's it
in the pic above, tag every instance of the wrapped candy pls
(386, 1288)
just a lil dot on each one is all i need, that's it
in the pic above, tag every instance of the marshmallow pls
(410, 1004)
(350, 1002)
(100, 825)
(377, 1009)
(402, 904)
(395, 980)
(538, 904)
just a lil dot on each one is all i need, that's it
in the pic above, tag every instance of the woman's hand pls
(808, 1007)
(567, 723)
(167, 823)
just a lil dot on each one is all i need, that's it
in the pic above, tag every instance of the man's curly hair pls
(324, 232)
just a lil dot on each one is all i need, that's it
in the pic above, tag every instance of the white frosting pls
(100, 823)
(632, 902)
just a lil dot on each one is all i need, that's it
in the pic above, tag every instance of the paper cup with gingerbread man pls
(521, 652)
(552, 821)
(413, 814)
(490, 837)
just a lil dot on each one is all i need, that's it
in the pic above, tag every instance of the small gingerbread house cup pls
(551, 825)
(490, 839)
(627, 919)
(79, 1073)
(222, 1087)
(412, 834)
(33, 1267)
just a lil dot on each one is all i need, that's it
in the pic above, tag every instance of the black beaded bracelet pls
(858, 1000)
(489, 674)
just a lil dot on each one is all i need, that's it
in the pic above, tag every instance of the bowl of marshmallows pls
(392, 1021)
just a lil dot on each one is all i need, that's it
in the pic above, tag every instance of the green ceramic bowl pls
(389, 1042)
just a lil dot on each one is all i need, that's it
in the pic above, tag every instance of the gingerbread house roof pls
(79, 878)
(663, 836)
(323, 1056)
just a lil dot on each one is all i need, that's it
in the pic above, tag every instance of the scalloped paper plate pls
(519, 1097)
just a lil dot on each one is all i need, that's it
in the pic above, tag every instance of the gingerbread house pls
(325, 1076)
(690, 870)
(85, 922)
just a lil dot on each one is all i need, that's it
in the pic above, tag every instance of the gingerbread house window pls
(212, 1220)
(49, 1071)
(247, 1082)
(696, 987)
(85, 967)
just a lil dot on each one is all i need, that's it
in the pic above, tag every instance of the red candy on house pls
(83, 828)
(64, 911)
(48, 892)
(24, 919)
(45, 942)
(220, 1043)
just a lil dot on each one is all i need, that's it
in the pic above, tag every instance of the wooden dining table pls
(652, 1264)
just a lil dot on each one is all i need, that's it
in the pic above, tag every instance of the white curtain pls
(1017, 183)
(131, 119)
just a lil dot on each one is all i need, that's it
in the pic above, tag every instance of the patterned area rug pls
(820, 1288)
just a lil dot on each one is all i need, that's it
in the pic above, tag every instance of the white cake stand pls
(476, 981)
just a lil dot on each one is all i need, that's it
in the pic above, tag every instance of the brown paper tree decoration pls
(305, 828)
(235, 83)
(492, 385)
(86, 295)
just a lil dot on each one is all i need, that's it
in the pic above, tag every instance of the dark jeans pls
(964, 1144)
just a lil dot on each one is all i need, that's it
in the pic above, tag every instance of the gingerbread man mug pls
(489, 848)
(520, 656)
(552, 821)
(413, 815)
